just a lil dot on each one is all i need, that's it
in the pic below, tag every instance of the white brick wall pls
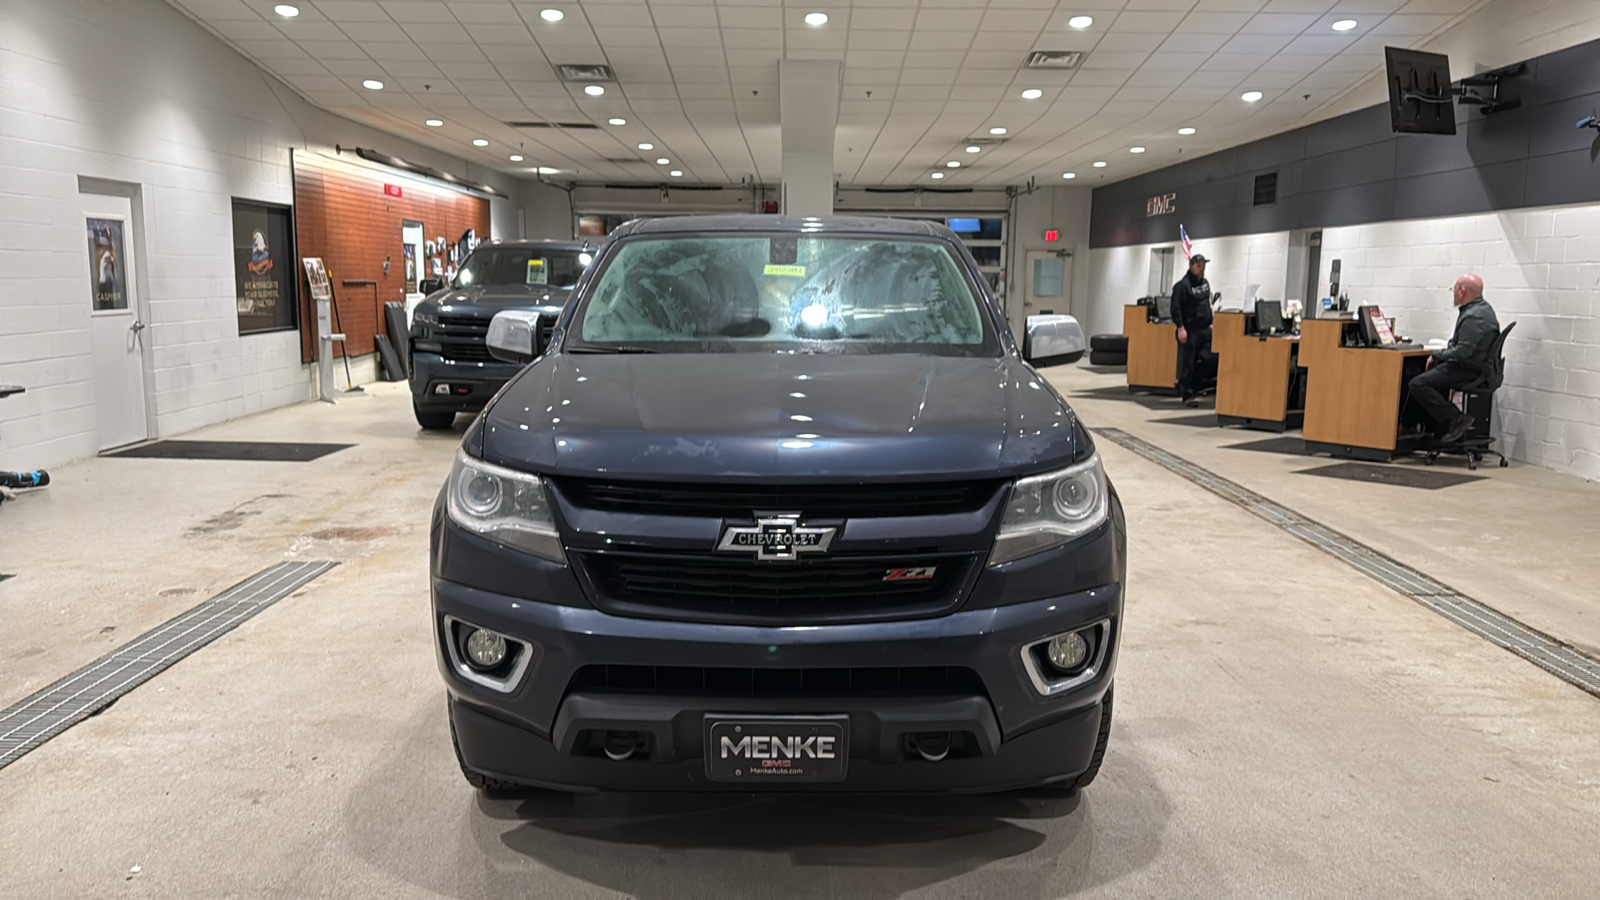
(1120, 275)
(132, 91)
(1541, 269)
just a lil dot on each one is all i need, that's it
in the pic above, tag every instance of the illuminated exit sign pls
(392, 190)
(1051, 236)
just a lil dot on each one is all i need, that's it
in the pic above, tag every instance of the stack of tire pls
(1108, 350)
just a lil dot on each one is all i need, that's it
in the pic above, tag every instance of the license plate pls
(788, 749)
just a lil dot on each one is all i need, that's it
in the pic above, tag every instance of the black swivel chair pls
(1478, 401)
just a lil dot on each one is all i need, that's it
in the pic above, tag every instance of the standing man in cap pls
(1191, 312)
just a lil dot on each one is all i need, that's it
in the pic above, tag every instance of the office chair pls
(1478, 402)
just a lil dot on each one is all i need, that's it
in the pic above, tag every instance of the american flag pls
(1188, 248)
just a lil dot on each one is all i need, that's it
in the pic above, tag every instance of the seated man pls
(1459, 364)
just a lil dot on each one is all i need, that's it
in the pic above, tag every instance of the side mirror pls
(514, 336)
(430, 286)
(1050, 340)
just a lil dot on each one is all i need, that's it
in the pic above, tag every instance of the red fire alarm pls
(770, 207)
(392, 190)
(1051, 236)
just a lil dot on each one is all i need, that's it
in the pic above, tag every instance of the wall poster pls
(106, 271)
(263, 269)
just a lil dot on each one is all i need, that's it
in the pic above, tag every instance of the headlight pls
(1048, 510)
(505, 506)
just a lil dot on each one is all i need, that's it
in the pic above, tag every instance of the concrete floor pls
(1285, 727)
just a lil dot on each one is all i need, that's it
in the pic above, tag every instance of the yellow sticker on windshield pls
(537, 273)
(791, 271)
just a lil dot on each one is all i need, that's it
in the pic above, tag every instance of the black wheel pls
(477, 779)
(433, 420)
(1085, 779)
(1472, 461)
(1428, 460)
(1503, 462)
(1116, 343)
(1107, 358)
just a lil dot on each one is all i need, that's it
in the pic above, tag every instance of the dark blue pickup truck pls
(779, 507)
(451, 369)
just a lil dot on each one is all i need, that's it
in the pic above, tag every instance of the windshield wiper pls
(624, 348)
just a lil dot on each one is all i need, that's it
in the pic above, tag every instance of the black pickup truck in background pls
(451, 369)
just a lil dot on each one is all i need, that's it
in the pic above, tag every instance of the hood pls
(777, 416)
(486, 300)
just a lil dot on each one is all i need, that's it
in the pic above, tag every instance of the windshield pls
(535, 269)
(812, 293)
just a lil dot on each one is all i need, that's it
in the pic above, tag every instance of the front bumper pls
(480, 381)
(535, 733)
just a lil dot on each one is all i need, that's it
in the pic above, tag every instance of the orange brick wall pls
(343, 215)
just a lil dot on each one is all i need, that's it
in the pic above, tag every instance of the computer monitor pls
(1269, 317)
(1163, 308)
(1375, 330)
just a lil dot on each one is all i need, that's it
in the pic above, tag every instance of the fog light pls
(1067, 651)
(441, 389)
(485, 649)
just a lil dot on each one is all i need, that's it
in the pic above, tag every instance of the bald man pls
(1461, 362)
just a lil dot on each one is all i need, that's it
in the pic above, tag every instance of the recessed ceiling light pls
(594, 90)
(974, 149)
(1032, 94)
(546, 170)
(1081, 21)
(372, 84)
(647, 146)
(479, 142)
(1344, 24)
(552, 15)
(663, 161)
(1099, 164)
(998, 129)
(953, 164)
(287, 11)
(938, 175)
(434, 123)
(1186, 130)
(1135, 149)
(515, 157)
(675, 173)
(1250, 96)
(814, 19)
(619, 121)
(1069, 174)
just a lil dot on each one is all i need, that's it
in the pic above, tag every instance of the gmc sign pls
(1165, 204)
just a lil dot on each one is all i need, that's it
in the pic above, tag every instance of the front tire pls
(433, 420)
(1104, 737)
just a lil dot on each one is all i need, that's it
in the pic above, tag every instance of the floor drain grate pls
(1546, 652)
(37, 719)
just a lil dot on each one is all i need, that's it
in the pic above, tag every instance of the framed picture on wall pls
(107, 278)
(317, 278)
(263, 268)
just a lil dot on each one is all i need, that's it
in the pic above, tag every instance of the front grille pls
(462, 351)
(732, 501)
(463, 326)
(715, 589)
(763, 682)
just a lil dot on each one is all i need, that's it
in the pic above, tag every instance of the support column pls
(808, 109)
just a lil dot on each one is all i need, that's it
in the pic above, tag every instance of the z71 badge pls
(922, 573)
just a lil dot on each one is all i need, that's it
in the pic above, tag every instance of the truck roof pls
(797, 224)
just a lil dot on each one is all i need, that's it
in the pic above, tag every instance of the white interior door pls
(1049, 283)
(412, 240)
(117, 329)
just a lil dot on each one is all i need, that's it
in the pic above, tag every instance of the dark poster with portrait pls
(106, 264)
(263, 267)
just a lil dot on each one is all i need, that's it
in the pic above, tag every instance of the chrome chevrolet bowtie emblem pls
(775, 538)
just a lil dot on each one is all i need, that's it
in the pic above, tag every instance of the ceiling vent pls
(1054, 59)
(588, 74)
(564, 126)
(626, 161)
(985, 141)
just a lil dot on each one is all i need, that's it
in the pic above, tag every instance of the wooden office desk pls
(1255, 376)
(1152, 352)
(1355, 395)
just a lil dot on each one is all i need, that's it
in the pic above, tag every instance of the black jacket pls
(1191, 302)
(1476, 329)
